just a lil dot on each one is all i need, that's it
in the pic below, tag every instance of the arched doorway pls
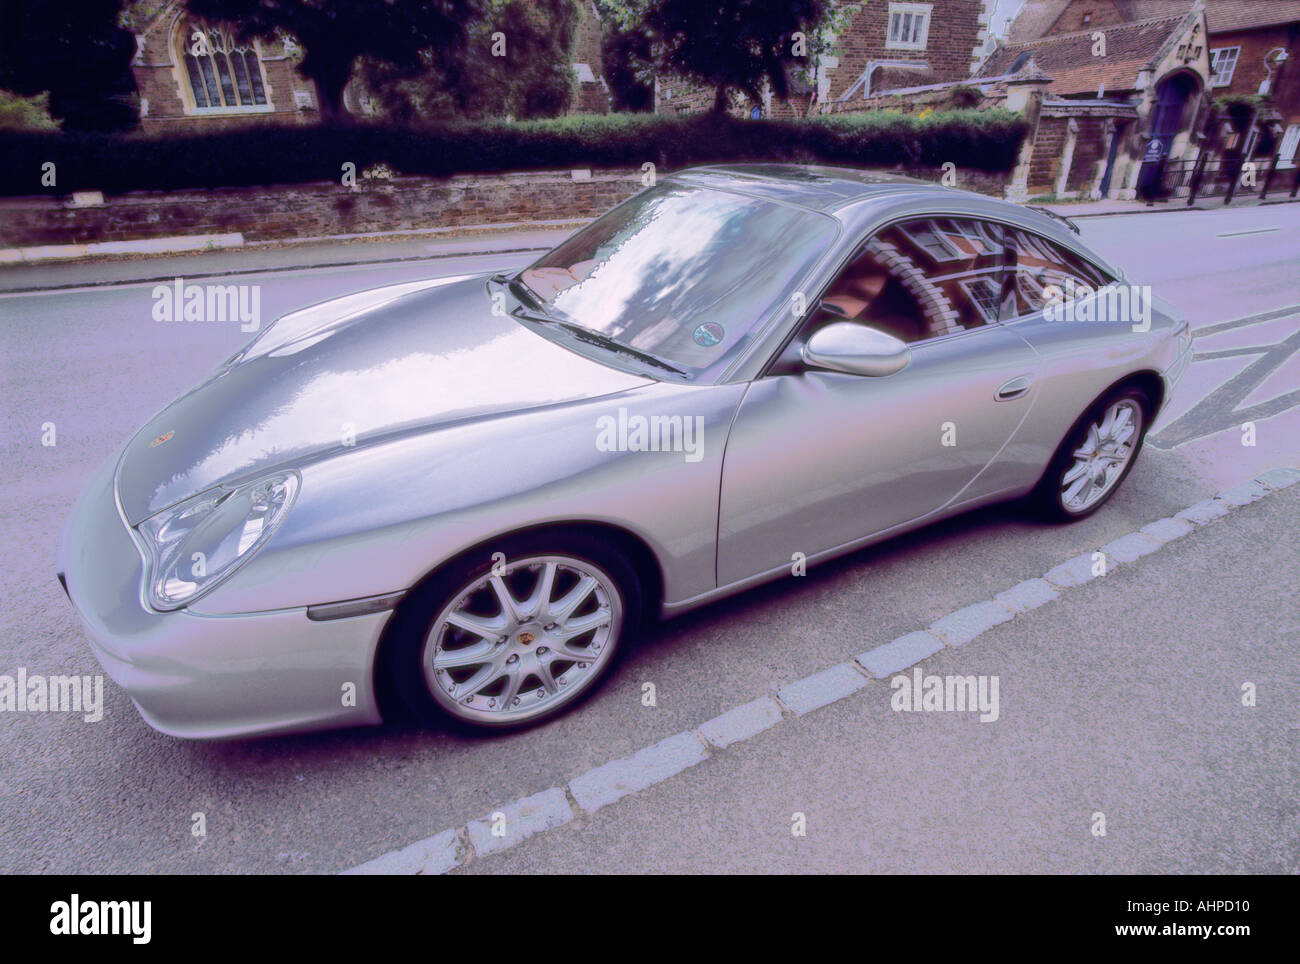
(1168, 114)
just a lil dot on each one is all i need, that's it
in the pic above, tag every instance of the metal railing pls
(1229, 178)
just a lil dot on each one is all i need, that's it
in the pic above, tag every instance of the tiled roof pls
(1036, 17)
(1068, 58)
(1222, 16)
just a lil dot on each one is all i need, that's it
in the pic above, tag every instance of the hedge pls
(983, 140)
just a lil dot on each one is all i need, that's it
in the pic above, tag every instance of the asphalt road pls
(114, 796)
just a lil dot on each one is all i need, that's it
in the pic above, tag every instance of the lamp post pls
(1266, 85)
(1276, 130)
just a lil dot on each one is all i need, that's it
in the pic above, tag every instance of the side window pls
(1035, 264)
(923, 278)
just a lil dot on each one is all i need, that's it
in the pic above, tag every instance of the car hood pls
(354, 371)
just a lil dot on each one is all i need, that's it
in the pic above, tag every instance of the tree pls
(626, 54)
(77, 52)
(18, 113)
(725, 44)
(514, 63)
(334, 33)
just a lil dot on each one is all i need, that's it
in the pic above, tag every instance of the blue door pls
(1166, 121)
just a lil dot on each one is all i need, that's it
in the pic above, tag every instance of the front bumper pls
(206, 677)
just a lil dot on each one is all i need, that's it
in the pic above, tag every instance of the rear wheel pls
(1095, 458)
(515, 633)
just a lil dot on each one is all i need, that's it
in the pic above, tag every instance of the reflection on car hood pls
(427, 358)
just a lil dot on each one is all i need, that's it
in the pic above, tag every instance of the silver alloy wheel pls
(1099, 462)
(523, 640)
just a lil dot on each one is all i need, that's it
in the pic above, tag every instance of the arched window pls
(223, 74)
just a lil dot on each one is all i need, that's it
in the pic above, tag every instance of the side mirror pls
(855, 349)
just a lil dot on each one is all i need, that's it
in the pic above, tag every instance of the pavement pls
(1095, 686)
(276, 256)
(1111, 206)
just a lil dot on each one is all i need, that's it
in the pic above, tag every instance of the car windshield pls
(683, 274)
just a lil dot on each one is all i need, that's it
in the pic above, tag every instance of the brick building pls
(883, 43)
(1254, 49)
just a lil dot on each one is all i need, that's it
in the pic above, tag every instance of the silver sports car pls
(459, 497)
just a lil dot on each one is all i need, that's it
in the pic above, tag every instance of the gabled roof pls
(1035, 19)
(1068, 58)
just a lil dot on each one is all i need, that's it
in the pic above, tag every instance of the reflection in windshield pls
(683, 273)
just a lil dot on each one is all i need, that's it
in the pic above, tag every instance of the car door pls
(818, 459)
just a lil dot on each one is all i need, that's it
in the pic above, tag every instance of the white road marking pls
(613, 781)
(519, 821)
(1242, 234)
(899, 654)
(742, 722)
(1131, 547)
(1074, 572)
(1027, 595)
(959, 628)
(821, 689)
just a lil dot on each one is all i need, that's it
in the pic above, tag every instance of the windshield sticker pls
(709, 334)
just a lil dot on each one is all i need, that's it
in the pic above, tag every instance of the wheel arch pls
(640, 556)
(1147, 380)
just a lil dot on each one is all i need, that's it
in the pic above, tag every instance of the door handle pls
(1014, 388)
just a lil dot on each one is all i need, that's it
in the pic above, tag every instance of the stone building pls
(1122, 101)
(592, 93)
(194, 76)
(883, 43)
(1252, 47)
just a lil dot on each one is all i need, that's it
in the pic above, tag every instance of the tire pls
(462, 654)
(1094, 479)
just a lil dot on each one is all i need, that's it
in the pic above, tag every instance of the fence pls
(1228, 178)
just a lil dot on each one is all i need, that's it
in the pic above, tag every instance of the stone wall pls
(1047, 154)
(329, 209)
(1089, 159)
(319, 209)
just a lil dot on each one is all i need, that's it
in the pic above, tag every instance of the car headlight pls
(196, 544)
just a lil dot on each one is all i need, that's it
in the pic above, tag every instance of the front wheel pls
(1095, 457)
(518, 632)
